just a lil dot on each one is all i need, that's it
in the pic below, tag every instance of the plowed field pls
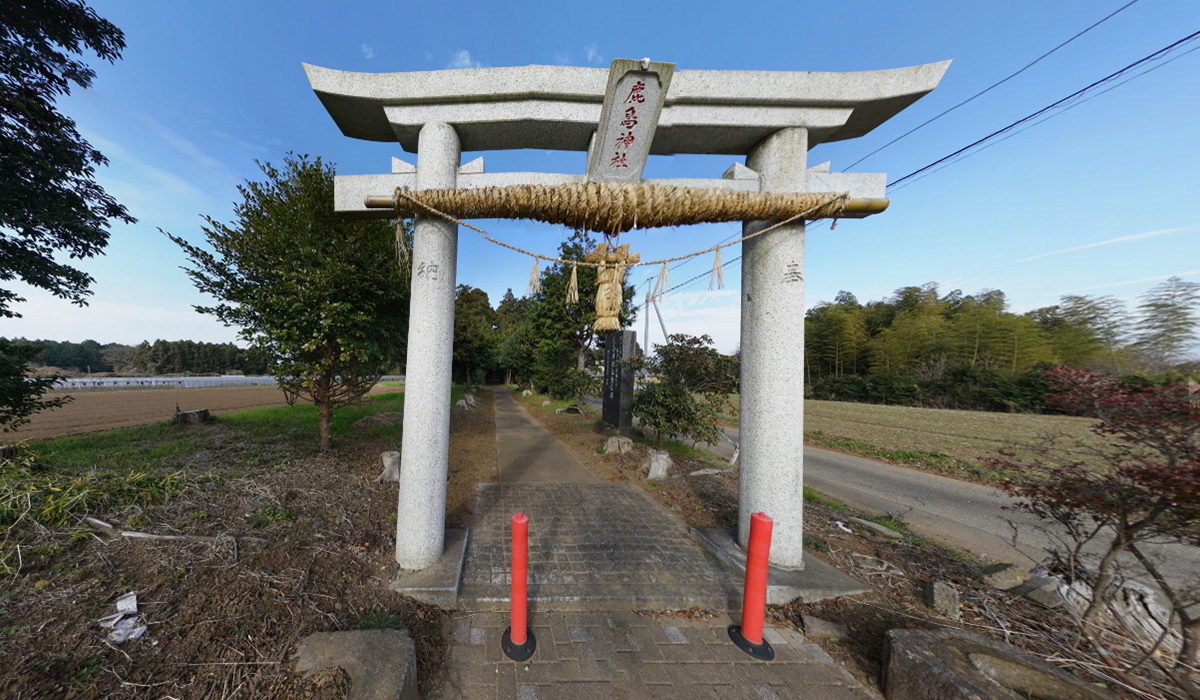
(101, 410)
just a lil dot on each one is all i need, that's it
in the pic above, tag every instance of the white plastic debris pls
(842, 526)
(126, 623)
(127, 603)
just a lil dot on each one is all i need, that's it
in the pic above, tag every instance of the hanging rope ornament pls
(573, 287)
(718, 274)
(401, 247)
(660, 286)
(401, 243)
(609, 283)
(535, 280)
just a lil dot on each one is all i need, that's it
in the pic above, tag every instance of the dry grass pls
(315, 550)
(960, 434)
(942, 440)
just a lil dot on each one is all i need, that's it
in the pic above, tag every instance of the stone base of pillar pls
(438, 583)
(816, 581)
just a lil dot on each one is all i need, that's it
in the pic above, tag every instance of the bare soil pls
(223, 619)
(90, 412)
(94, 411)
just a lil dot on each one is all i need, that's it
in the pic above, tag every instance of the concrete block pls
(877, 531)
(438, 583)
(382, 663)
(1004, 577)
(951, 664)
(816, 581)
(941, 597)
(817, 628)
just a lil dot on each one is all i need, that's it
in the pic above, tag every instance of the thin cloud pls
(1122, 239)
(190, 150)
(367, 51)
(1189, 273)
(592, 54)
(562, 59)
(462, 59)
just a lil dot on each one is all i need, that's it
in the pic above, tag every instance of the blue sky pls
(1099, 200)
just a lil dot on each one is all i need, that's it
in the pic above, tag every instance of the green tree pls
(49, 199)
(1084, 330)
(20, 394)
(322, 295)
(557, 322)
(694, 381)
(917, 335)
(514, 329)
(836, 336)
(1168, 318)
(474, 334)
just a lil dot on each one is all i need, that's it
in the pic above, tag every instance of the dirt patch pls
(383, 419)
(472, 457)
(223, 619)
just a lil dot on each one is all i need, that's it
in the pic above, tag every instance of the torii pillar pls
(772, 118)
(771, 394)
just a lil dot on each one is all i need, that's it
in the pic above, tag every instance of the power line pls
(1108, 78)
(942, 114)
(993, 86)
(1047, 117)
(1067, 103)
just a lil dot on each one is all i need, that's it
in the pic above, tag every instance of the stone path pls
(527, 452)
(627, 656)
(592, 546)
(597, 552)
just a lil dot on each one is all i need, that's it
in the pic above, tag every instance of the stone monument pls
(770, 118)
(618, 379)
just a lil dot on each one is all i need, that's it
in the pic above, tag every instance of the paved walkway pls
(625, 656)
(592, 546)
(527, 452)
(597, 552)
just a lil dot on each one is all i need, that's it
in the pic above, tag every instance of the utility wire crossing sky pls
(1099, 199)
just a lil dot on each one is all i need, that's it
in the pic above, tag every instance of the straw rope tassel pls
(401, 246)
(660, 287)
(573, 287)
(535, 280)
(718, 274)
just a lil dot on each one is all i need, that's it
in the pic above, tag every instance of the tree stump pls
(391, 468)
(195, 417)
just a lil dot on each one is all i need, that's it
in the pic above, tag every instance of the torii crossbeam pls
(771, 118)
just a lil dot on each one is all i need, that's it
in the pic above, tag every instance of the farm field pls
(94, 411)
(967, 435)
(946, 441)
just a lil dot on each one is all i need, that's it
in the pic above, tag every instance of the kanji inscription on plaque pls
(631, 108)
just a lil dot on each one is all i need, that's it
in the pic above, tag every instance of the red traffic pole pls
(748, 636)
(520, 576)
(518, 642)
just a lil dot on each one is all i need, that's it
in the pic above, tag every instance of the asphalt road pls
(970, 517)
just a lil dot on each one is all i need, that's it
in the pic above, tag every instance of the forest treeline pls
(924, 348)
(161, 357)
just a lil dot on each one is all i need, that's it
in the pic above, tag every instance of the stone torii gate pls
(771, 118)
